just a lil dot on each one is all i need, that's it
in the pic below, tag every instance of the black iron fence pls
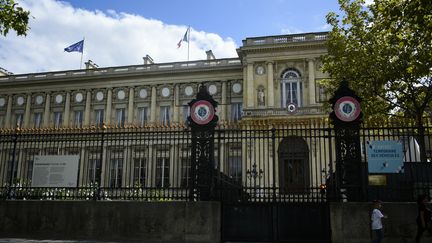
(286, 162)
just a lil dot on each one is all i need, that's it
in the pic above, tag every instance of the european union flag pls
(78, 47)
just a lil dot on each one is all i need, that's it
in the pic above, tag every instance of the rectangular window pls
(58, 119)
(28, 166)
(162, 168)
(78, 118)
(116, 170)
(185, 161)
(12, 166)
(38, 120)
(120, 117)
(322, 96)
(1, 121)
(142, 116)
(234, 166)
(94, 170)
(99, 117)
(165, 115)
(19, 119)
(186, 113)
(140, 168)
(236, 111)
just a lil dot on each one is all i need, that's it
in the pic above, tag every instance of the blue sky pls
(237, 19)
(121, 32)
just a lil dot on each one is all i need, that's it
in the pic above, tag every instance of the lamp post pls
(253, 174)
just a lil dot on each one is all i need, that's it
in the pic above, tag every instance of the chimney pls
(148, 60)
(4, 72)
(210, 55)
(91, 65)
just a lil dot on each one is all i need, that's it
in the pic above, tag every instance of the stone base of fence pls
(123, 221)
(350, 223)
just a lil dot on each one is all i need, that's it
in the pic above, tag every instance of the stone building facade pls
(274, 79)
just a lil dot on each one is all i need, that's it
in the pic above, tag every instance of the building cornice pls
(124, 72)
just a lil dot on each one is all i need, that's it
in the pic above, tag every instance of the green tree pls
(384, 50)
(13, 17)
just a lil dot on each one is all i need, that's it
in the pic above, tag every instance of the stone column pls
(176, 104)
(270, 86)
(224, 101)
(153, 105)
(67, 110)
(108, 108)
(130, 119)
(87, 109)
(46, 117)
(27, 112)
(244, 90)
(311, 70)
(250, 86)
(8, 112)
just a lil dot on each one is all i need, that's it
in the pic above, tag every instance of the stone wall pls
(131, 221)
(109, 220)
(350, 222)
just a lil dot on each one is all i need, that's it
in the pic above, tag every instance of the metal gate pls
(274, 184)
(279, 222)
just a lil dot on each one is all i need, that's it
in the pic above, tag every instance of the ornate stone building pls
(274, 77)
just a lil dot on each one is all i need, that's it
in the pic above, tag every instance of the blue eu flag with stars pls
(78, 47)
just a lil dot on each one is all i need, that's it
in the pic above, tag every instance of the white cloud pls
(111, 39)
(291, 30)
(369, 2)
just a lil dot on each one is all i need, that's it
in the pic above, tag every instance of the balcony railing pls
(308, 37)
(229, 62)
(300, 111)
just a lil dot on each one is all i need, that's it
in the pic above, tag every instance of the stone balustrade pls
(229, 62)
(307, 37)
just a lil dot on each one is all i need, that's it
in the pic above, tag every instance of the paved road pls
(19, 240)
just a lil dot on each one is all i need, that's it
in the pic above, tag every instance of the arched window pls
(291, 88)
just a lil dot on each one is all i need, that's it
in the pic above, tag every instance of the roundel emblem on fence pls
(347, 109)
(292, 108)
(202, 112)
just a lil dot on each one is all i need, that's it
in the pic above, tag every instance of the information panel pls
(385, 156)
(55, 171)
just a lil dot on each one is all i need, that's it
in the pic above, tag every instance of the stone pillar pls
(46, 117)
(244, 85)
(176, 104)
(224, 101)
(108, 108)
(131, 106)
(27, 112)
(153, 105)
(270, 86)
(67, 110)
(87, 109)
(8, 112)
(311, 70)
(250, 86)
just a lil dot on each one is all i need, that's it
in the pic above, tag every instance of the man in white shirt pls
(377, 226)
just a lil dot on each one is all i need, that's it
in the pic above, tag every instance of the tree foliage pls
(384, 50)
(13, 17)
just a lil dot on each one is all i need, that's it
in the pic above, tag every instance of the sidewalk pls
(19, 240)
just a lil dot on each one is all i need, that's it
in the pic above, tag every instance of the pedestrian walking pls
(423, 217)
(377, 226)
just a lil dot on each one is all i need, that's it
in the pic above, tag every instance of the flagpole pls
(82, 53)
(188, 41)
